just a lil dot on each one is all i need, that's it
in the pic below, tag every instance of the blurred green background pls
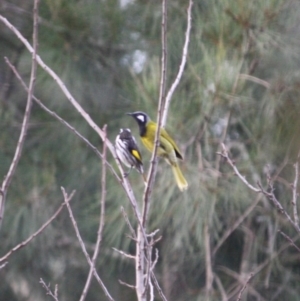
(241, 86)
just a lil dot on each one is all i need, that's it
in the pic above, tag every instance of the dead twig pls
(7, 179)
(269, 194)
(289, 239)
(39, 231)
(101, 221)
(244, 287)
(74, 223)
(295, 194)
(64, 122)
(182, 64)
(48, 290)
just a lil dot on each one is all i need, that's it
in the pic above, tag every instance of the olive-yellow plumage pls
(167, 147)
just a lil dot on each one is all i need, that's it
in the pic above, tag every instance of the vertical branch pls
(141, 288)
(101, 222)
(182, 65)
(161, 101)
(208, 263)
(7, 179)
(295, 194)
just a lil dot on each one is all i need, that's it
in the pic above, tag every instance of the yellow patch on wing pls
(136, 154)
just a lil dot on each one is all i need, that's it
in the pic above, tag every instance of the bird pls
(128, 152)
(167, 147)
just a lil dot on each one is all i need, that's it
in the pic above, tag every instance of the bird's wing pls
(166, 136)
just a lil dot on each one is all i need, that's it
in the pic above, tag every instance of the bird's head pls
(142, 119)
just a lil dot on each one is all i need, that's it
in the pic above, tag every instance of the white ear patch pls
(141, 118)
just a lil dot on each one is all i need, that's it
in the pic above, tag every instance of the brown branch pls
(295, 194)
(128, 223)
(161, 101)
(270, 195)
(48, 290)
(39, 231)
(124, 254)
(225, 155)
(158, 288)
(141, 260)
(182, 65)
(244, 287)
(235, 225)
(7, 179)
(289, 239)
(74, 223)
(64, 122)
(126, 284)
(101, 221)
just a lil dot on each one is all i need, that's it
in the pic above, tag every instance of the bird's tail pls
(180, 180)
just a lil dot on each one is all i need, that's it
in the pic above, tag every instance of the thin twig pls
(48, 290)
(289, 239)
(230, 162)
(126, 284)
(161, 102)
(3, 265)
(295, 194)
(128, 222)
(181, 67)
(235, 225)
(160, 292)
(255, 80)
(39, 231)
(124, 254)
(7, 179)
(244, 287)
(270, 195)
(74, 223)
(101, 221)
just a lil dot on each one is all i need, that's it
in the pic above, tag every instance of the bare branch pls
(48, 290)
(66, 198)
(161, 102)
(270, 195)
(295, 194)
(7, 179)
(230, 162)
(236, 224)
(101, 221)
(39, 231)
(124, 254)
(126, 284)
(160, 292)
(255, 80)
(244, 287)
(3, 265)
(128, 223)
(182, 65)
(289, 239)
(64, 122)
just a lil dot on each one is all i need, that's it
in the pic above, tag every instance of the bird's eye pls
(141, 118)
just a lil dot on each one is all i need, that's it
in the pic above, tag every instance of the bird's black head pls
(142, 119)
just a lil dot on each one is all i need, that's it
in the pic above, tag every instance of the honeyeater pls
(167, 148)
(128, 152)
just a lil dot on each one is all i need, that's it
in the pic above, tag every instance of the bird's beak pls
(130, 114)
